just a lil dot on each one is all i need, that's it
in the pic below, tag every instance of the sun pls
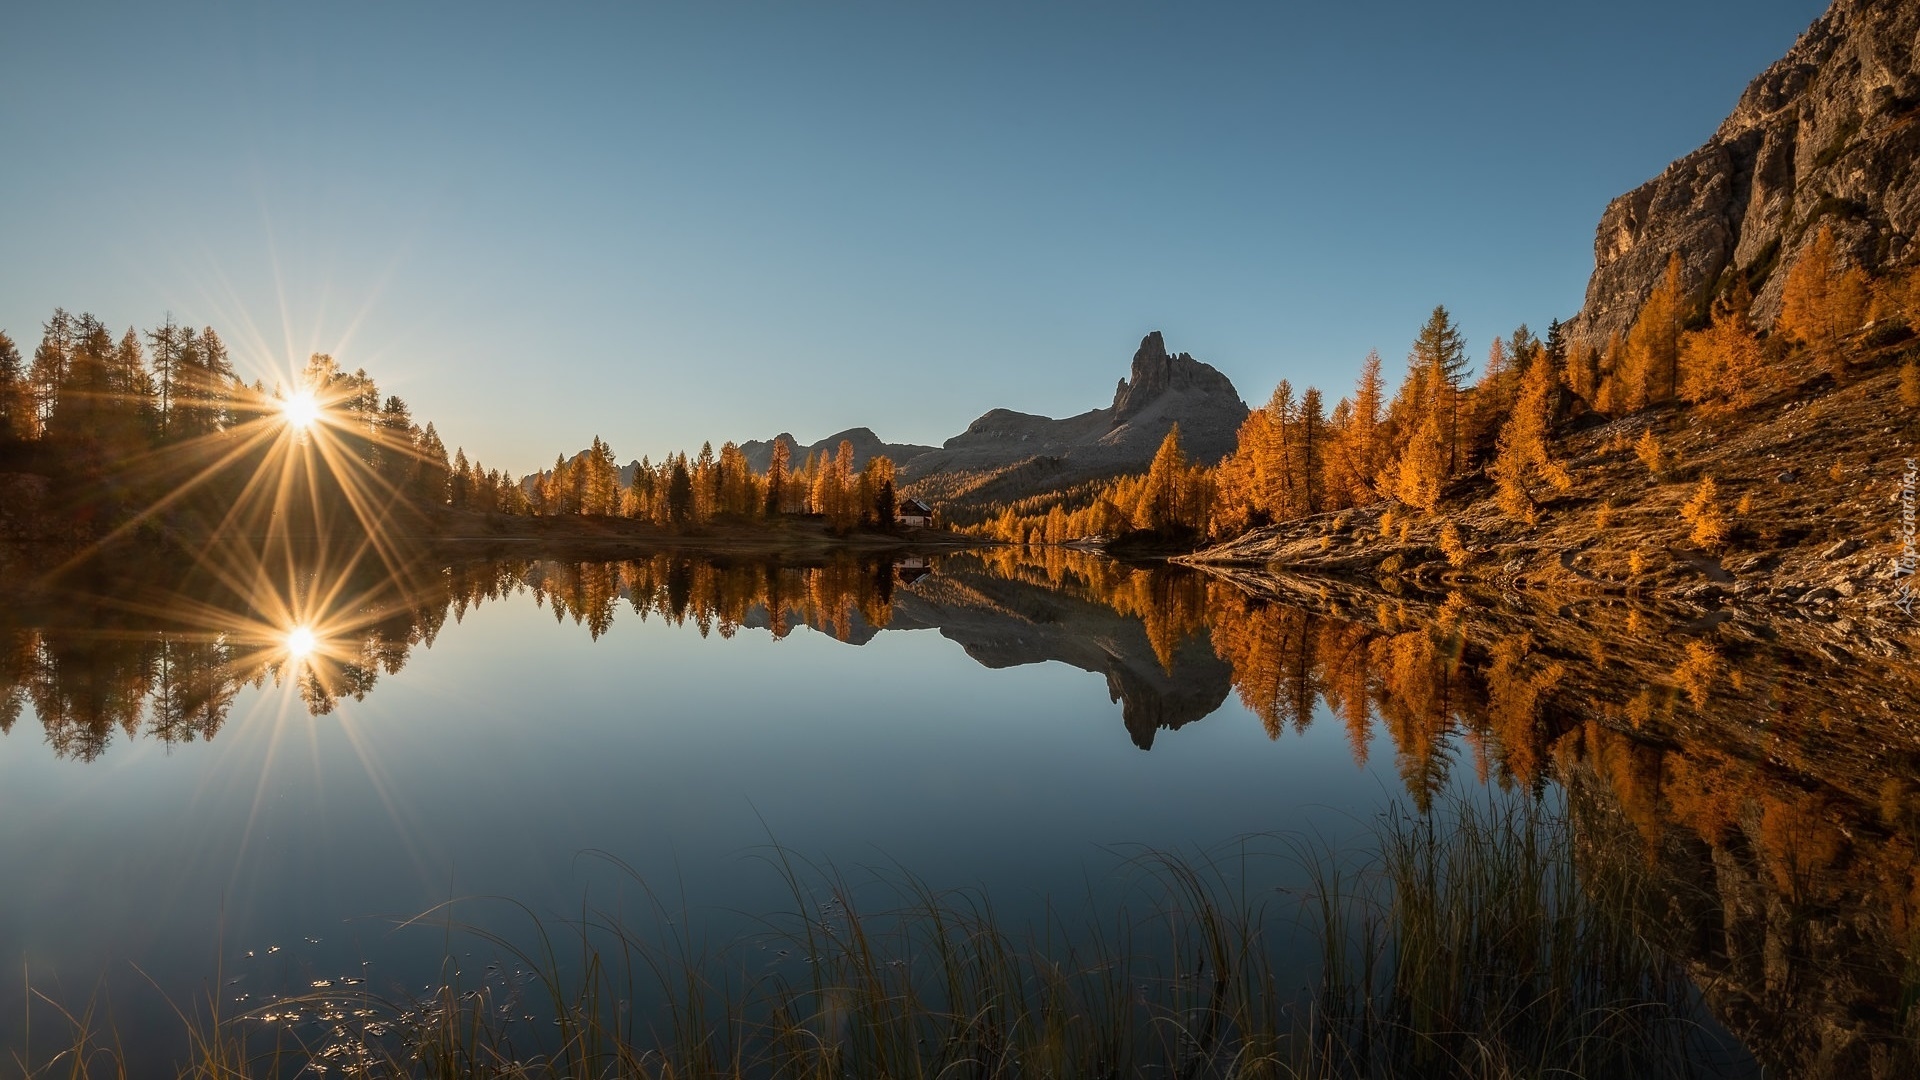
(300, 642)
(300, 411)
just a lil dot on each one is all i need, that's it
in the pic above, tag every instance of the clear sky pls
(663, 223)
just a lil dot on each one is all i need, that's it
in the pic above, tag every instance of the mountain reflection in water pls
(1768, 777)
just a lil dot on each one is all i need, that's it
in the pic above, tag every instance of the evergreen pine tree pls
(16, 397)
(1440, 354)
(431, 478)
(679, 492)
(459, 480)
(777, 479)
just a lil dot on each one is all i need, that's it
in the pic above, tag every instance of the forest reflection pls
(1766, 777)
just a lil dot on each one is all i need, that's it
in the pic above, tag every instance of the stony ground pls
(1811, 481)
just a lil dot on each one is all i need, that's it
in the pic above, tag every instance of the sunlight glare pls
(300, 642)
(300, 411)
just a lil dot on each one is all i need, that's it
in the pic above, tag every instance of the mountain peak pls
(1156, 373)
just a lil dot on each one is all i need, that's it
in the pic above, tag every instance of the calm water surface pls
(241, 780)
(551, 722)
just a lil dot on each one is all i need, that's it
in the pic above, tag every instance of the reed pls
(1495, 937)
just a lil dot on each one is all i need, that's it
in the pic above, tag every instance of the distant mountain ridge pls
(866, 446)
(1007, 454)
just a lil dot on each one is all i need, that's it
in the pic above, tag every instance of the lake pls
(240, 780)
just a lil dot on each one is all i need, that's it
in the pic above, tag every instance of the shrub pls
(1704, 514)
(1654, 455)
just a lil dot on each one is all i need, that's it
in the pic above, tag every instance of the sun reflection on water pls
(301, 642)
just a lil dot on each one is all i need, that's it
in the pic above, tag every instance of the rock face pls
(1829, 135)
(1027, 452)
(1006, 454)
(1155, 374)
(1002, 622)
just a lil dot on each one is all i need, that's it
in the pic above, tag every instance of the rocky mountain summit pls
(1827, 136)
(1155, 374)
(1006, 453)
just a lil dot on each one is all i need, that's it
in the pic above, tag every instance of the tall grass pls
(1489, 938)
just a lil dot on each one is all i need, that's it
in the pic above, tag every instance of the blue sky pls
(663, 223)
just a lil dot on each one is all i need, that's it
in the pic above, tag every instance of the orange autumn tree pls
(1173, 497)
(1820, 303)
(1353, 458)
(1420, 476)
(1652, 354)
(1524, 462)
(1724, 368)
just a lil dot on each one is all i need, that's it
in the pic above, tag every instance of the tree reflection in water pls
(1767, 774)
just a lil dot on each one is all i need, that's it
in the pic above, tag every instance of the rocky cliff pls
(1004, 622)
(1829, 135)
(1006, 454)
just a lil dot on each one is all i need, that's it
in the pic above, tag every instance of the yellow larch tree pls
(1704, 514)
(1610, 395)
(1361, 436)
(1524, 459)
(1272, 456)
(1820, 304)
(1653, 345)
(1723, 367)
(1158, 509)
(1420, 475)
(1653, 454)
